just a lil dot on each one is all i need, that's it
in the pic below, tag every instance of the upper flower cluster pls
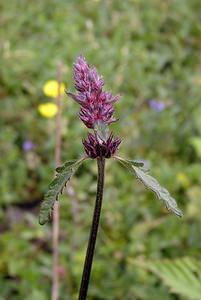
(96, 110)
(96, 104)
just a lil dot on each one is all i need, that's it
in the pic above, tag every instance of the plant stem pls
(55, 225)
(94, 230)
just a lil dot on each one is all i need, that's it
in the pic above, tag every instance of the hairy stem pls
(55, 225)
(94, 230)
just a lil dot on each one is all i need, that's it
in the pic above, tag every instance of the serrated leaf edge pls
(173, 206)
(47, 204)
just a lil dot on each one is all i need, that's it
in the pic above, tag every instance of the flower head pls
(48, 110)
(51, 88)
(95, 148)
(157, 105)
(96, 104)
(27, 145)
(96, 110)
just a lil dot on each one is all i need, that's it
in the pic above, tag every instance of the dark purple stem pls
(94, 230)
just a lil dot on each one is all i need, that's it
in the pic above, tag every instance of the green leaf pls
(182, 275)
(162, 194)
(63, 167)
(144, 165)
(63, 175)
(152, 184)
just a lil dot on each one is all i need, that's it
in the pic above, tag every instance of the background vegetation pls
(150, 51)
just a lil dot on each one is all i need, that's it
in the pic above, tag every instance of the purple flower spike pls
(96, 104)
(96, 110)
(94, 148)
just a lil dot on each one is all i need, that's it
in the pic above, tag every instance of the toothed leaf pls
(142, 164)
(152, 184)
(63, 175)
(63, 167)
(182, 275)
(162, 193)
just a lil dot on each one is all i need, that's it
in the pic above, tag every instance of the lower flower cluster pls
(95, 148)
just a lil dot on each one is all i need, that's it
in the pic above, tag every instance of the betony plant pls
(96, 112)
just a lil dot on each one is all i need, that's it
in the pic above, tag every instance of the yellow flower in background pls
(50, 88)
(199, 80)
(183, 180)
(48, 110)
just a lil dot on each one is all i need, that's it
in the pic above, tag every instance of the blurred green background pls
(150, 52)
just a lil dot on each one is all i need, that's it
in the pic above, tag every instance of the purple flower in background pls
(157, 105)
(94, 148)
(28, 145)
(96, 104)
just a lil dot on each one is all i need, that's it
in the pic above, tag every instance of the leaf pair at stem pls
(138, 168)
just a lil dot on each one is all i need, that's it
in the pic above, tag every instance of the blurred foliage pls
(182, 275)
(146, 50)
